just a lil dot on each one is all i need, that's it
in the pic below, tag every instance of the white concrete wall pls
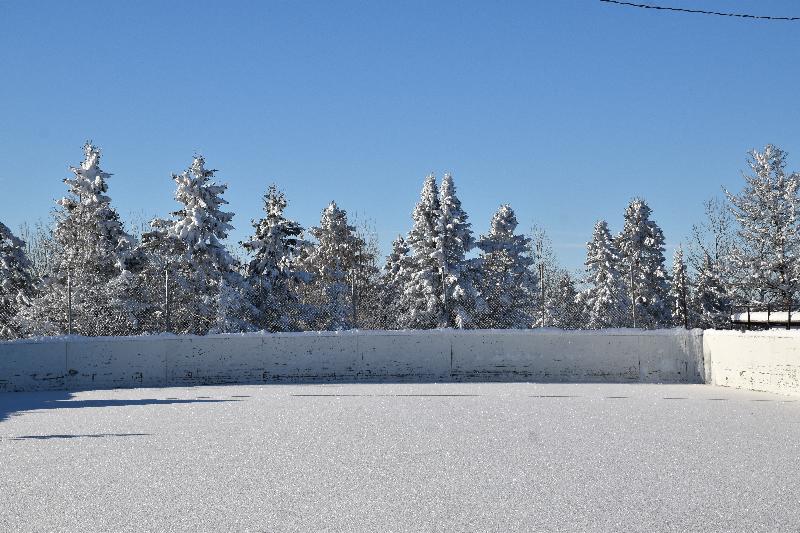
(73, 363)
(669, 356)
(756, 360)
(29, 365)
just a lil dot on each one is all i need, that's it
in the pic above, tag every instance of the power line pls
(700, 11)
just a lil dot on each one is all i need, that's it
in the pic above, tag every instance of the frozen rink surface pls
(423, 457)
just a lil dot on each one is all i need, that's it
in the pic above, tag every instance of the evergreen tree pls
(764, 260)
(453, 241)
(606, 298)
(564, 306)
(189, 248)
(641, 245)
(396, 276)
(679, 291)
(16, 282)
(333, 262)
(710, 301)
(235, 312)
(90, 282)
(508, 285)
(366, 280)
(273, 271)
(423, 293)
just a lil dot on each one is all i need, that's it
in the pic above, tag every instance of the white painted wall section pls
(74, 363)
(615, 356)
(756, 360)
(32, 365)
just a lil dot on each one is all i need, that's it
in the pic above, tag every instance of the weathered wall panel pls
(32, 366)
(559, 356)
(215, 359)
(107, 363)
(404, 356)
(319, 357)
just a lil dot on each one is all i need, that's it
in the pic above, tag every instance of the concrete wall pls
(76, 363)
(756, 360)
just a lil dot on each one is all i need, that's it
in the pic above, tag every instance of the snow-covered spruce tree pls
(606, 297)
(273, 271)
(710, 302)
(641, 245)
(565, 306)
(679, 296)
(422, 298)
(92, 261)
(16, 281)
(461, 301)
(189, 246)
(507, 283)
(334, 262)
(764, 260)
(395, 278)
(234, 310)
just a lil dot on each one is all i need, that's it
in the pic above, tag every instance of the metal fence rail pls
(761, 316)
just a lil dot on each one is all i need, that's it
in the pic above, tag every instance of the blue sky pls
(564, 108)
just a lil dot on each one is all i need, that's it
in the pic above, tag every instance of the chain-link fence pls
(165, 303)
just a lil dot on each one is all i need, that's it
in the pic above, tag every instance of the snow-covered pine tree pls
(641, 244)
(16, 281)
(454, 240)
(273, 271)
(679, 296)
(422, 298)
(93, 256)
(606, 297)
(710, 303)
(334, 262)
(507, 283)
(395, 278)
(189, 246)
(764, 262)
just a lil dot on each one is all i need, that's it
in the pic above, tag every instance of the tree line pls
(88, 275)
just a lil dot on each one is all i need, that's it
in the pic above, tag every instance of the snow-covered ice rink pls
(388, 457)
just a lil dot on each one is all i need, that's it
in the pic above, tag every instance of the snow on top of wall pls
(776, 332)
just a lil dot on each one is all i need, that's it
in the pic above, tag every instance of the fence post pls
(541, 283)
(685, 308)
(789, 314)
(69, 302)
(444, 299)
(633, 298)
(167, 325)
(353, 297)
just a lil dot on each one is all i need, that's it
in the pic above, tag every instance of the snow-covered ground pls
(443, 457)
